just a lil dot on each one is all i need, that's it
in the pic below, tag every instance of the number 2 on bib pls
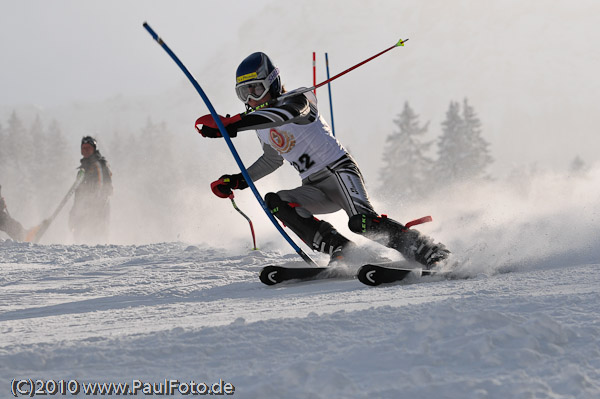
(304, 163)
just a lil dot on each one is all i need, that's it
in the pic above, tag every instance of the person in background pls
(291, 129)
(89, 217)
(9, 225)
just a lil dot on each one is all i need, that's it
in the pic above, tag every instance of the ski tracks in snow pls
(171, 310)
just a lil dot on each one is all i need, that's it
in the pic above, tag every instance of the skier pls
(9, 225)
(292, 129)
(89, 216)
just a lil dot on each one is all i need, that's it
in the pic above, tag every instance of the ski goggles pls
(88, 140)
(254, 89)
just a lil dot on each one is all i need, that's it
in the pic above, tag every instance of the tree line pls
(38, 164)
(33, 160)
(410, 172)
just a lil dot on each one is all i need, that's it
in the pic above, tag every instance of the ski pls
(372, 274)
(271, 275)
(376, 274)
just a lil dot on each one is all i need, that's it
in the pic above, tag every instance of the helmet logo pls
(272, 76)
(283, 142)
(246, 77)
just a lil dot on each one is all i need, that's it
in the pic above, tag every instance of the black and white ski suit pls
(292, 130)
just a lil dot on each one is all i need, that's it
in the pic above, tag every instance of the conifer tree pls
(406, 166)
(147, 168)
(450, 147)
(578, 167)
(478, 157)
(60, 165)
(463, 154)
(37, 159)
(19, 158)
(16, 135)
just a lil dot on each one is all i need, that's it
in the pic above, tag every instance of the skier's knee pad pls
(272, 200)
(305, 228)
(355, 223)
(281, 209)
(365, 224)
(318, 234)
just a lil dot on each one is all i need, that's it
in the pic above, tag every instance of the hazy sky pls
(55, 52)
(528, 68)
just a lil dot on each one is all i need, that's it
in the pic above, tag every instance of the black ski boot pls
(328, 240)
(318, 234)
(410, 243)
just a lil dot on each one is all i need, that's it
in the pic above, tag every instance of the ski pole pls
(234, 152)
(39, 232)
(329, 90)
(247, 218)
(304, 90)
(400, 43)
(315, 71)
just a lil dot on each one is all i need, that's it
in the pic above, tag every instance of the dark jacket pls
(97, 181)
(9, 225)
(89, 216)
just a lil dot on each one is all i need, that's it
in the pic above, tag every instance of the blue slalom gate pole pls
(234, 152)
(329, 89)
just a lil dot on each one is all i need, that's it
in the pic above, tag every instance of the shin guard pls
(318, 234)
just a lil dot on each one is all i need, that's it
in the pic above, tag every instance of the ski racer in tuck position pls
(290, 128)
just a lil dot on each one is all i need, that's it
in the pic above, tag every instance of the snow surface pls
(160, 311)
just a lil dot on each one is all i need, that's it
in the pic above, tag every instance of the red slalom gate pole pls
(400, 43)
(315, 87)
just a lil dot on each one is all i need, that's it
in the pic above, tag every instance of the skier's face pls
(253, 103)
(87, 150)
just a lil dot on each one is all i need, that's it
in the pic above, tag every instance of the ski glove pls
(207, 126)
(222, 187)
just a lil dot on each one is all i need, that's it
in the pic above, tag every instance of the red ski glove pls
(222, 187)
(207, 126)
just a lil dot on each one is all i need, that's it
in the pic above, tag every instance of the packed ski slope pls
(143, 314)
